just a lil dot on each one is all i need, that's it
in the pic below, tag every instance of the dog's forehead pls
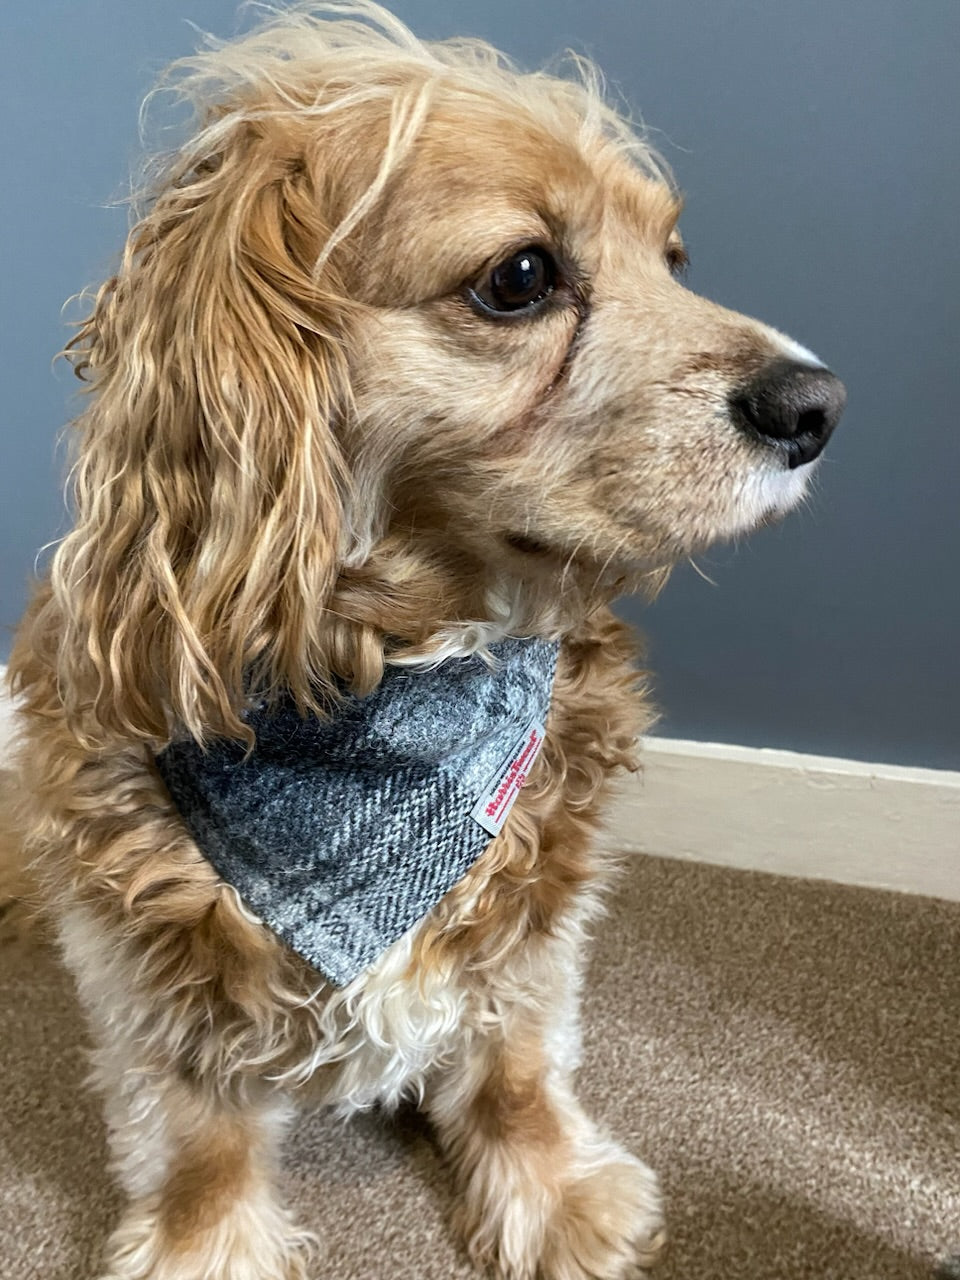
(555, 168)
(481, 181)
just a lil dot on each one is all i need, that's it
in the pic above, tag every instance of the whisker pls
(700, 573)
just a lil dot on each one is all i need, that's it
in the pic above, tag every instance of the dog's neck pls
(416, 603)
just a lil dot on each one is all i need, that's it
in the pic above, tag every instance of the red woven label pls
(503, 788)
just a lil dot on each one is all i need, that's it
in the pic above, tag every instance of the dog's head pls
(397, 359)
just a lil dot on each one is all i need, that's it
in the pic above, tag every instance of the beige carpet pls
(787, 1054)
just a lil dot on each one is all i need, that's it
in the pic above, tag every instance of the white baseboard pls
(880, 826)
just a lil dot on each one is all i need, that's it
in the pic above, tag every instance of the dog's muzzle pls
(792, 406)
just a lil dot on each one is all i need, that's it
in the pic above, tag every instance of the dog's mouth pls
(762, 495)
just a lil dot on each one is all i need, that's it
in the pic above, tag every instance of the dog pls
(395, 388)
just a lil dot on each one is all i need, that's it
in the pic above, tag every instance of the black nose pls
(793, 406)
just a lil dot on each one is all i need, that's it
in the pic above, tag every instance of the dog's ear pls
(209, 483)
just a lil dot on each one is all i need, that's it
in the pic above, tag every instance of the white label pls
(503, 788)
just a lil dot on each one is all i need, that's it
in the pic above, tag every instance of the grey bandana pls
(342, 833)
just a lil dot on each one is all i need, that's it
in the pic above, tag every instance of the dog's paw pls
(244, 1245)
(608, 1225)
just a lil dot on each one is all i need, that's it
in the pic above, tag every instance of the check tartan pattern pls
(341, 833)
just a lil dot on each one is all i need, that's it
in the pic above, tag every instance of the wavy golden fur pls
(310, 449)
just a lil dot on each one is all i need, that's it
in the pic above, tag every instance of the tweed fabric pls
(342, 832)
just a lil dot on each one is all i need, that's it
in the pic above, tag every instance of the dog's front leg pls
(199, 1174)
(543, 1192)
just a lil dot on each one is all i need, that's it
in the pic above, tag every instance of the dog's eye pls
(677, 259)
(518, 283)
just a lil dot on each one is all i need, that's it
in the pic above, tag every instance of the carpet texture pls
(785, 1053)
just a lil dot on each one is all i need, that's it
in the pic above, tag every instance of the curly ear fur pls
(208, 484)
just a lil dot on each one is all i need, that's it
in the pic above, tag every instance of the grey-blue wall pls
(817, 141)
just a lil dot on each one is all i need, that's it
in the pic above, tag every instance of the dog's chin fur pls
(308, 452)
